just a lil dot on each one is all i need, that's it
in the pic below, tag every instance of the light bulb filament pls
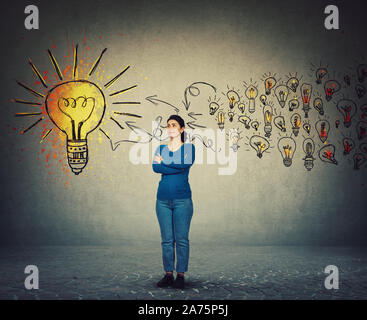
(78, 110)
(287, 151)
(268, 116)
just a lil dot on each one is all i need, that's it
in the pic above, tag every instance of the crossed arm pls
(174, 168)
(188, 159)
(159, 167)
(162, 168)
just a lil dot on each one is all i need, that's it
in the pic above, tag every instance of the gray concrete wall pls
(169, 46)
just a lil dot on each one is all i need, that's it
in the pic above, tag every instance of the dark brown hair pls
(181, 122)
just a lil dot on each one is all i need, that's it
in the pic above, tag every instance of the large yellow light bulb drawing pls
(76, 108)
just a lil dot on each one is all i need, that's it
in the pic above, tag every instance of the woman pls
(174, 207)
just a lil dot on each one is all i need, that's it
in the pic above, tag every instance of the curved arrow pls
(189, 89)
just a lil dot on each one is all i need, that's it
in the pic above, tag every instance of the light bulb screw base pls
(287, 162)
(306, 108)
(251, 105)
(295, 131)
(77, 151)
(267, 130)
(308, 163)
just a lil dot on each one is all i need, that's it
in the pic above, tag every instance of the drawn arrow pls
(192, 124)
(189, 89)
(132, 127)
(192, 114)
(155, 101)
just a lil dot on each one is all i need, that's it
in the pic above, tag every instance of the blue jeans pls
(174, 217)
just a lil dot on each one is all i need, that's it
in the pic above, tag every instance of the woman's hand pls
(158, 158)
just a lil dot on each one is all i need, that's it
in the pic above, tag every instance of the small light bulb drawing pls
(319, 105)
(245, 120)
(251, 93)
(293, 104)
(309, 149)
(327, 154)
(348, 144)
(359, 160)
(233, 98)
(363, 147)
(241, 107)
(279, 122)
(363, 111)
(293, 84)
(213, 107)
(263, 99)
(281, 92)
(360, 90)
(259, 144)
(362, 72)
(234, 137)
(268, 116)
(296, 123)
(307, 127)
(348, 109)
(337, 123)
(330, 88)
(230, 116)
(306, 92)
(322, 128)
(361, 129)
(320, 74)
(287, 148)
(76, 107)
(269, 83)
(220, 119)
(346, 79)
(255, 124)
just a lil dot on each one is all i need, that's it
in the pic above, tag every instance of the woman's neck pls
(174, 143)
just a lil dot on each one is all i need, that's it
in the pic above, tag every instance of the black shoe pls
(179, 282)
(166, 281)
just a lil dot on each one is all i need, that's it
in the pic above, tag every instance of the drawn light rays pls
(42, 94)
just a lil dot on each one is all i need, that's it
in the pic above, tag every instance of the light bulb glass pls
(76, 108)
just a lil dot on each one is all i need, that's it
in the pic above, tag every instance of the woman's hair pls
(181, 122)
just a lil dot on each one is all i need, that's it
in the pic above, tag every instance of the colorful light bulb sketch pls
(251, 93)
(306, 92)
(359, 160)
(322, 128)
(327, 154)
(309, 149)
(296, 123)
(281, 93)
(233, 98)
(293, 104)
(330, 88)
(268, 115)
(348, 109)
(320, 74)
(319, 106)
(348, 145)
(287, 149)
(259, 144)
(279, 122)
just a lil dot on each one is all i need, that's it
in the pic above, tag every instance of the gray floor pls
(131, 270)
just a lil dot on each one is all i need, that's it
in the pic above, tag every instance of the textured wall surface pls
(170, 45)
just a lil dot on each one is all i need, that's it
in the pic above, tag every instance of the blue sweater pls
(174, 167)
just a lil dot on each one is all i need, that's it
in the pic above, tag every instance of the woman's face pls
(173, 128)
